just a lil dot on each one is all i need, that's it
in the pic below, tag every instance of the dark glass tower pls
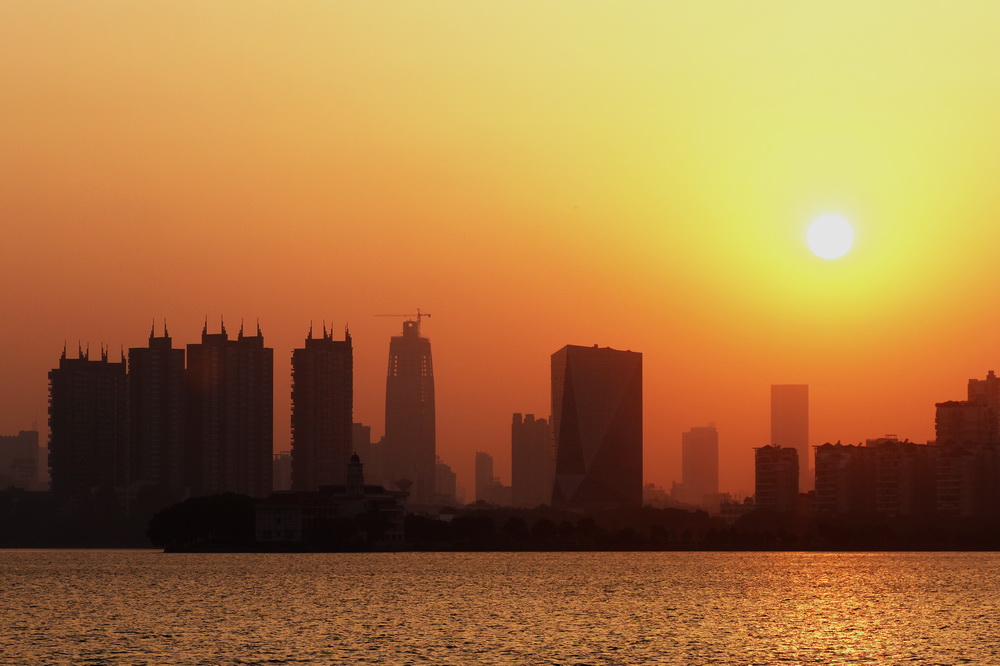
(409, 413)
(597, 422)
(322, 403)
(230, 389)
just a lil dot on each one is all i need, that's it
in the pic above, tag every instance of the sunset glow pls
(536, 175)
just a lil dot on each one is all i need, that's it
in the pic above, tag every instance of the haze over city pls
(533, 176)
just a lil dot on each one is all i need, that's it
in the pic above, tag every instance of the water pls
(146, 607)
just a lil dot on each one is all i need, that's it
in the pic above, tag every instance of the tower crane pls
(416, 316)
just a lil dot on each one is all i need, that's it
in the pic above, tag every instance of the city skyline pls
(640, 178)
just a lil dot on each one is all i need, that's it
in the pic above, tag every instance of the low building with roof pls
(350, 515)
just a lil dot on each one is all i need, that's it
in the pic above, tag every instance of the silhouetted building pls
(322, 409)
(845, 479)
(446, 484)
(597, 425)
(281, 477)
(967, 480)
(489, 489)
(904, 477)
(776, 475)
(532, 461)
(347, 514)
(790, 424)
(409, 413)
(157, 456)
(700, 466)
(88, 426)
(230, 387)
(19, 461)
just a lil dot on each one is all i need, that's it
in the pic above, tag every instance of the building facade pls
(790, 425)
(322, 410)
(88, 426)
(19, 466)
(597, 426)
(776, 478)
(489, 488)
(230, 414)
(532, 461)
(700, 466)
(157, 456)
(409, 414)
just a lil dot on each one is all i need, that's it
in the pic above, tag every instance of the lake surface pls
(146, 607)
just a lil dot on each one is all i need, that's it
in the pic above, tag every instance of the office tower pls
(790, 424)
(88, 426)
(489, 489)
(156, 418)
(776, 476)
(409, 413)
(19, 461)
(532, 461)
(322, 407)
(446, 481)
(597, 423)
(230, 388)
(700, 465)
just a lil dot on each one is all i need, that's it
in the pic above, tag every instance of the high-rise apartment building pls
(776, 477)
(700, 465)
(157, 454)
(597, 425)
(88, 426)
(532, 461)
(409, 414)
(972, 421)
(322, 408)
(790, 424)
(230, 389)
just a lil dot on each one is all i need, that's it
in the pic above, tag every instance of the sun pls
(830, 236)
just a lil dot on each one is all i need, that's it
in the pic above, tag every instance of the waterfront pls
(136, 607)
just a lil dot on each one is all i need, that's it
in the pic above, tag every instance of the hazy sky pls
(636, 175)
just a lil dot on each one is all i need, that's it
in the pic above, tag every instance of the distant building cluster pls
(170, 423)
(957, 474)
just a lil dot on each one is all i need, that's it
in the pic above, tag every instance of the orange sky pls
(636, 175)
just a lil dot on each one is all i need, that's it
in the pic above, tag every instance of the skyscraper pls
(322, 404)
(230, 388)
(156, 418)
(409, 413)
(790, 424)
(699, 464)
(88, 426)
(597, 422)
(532, 461)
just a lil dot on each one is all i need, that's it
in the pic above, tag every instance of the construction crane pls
(418, 315)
